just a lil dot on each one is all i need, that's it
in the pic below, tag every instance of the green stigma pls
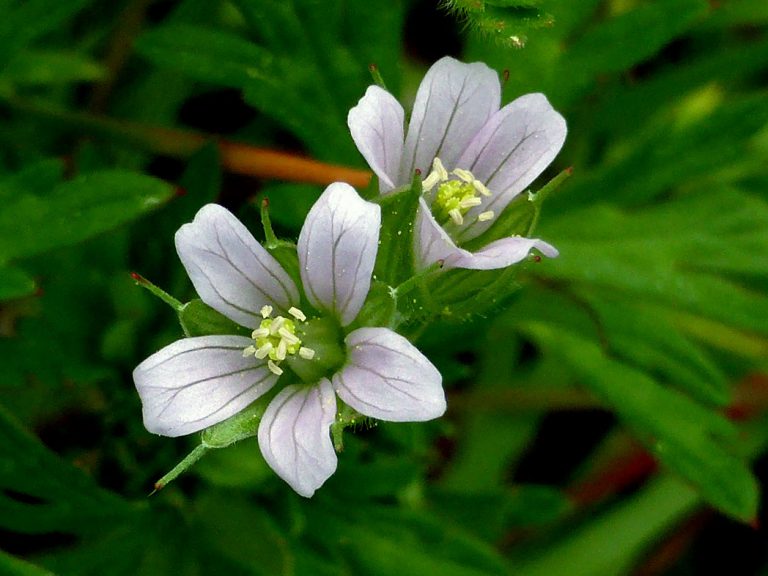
(457, 193)
(453, 200)
(276, 339)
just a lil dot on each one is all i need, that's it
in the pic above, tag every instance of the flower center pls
(457, 192)
(276, 339)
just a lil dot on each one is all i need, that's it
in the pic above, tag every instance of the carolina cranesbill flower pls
(475, 158)
(200, 381)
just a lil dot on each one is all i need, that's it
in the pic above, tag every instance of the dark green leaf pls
(692, 441)
(15, 283)
(77, 210)
(41, 493)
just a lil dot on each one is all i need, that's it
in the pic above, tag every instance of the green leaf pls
(43, 68)
(640, 33)
(15, 283)
(77, 210)
(610, 544)
(228, 60)
(41, 493)
(671, 254)
(32, 19)
(692, 441)
(11, 566)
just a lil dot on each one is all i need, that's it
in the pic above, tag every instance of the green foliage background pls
(647, 339)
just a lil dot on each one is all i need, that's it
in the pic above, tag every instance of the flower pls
(476, 158)
(196, 382)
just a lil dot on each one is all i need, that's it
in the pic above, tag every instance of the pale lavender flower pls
(475, 158)
(200, 381)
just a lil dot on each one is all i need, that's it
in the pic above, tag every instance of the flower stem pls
(188, 461)
(157, 291)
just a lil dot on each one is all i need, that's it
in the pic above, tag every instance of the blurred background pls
(608, 416)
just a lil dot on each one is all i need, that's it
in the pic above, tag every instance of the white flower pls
(200, 381)
(475, 158)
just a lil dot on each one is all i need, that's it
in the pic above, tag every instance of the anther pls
(277, 323)
(456, 216)
(287, 336)
(274, 368)
(481, 188)
(266, 311)
(281, 350)
(470, 202)
(260, 333)
(249, 351)
(306, 353)
(464, 175)
(485, 216)
(296, 313)
(264, 351)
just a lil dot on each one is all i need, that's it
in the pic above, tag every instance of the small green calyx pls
(457, 193)
(276, 339)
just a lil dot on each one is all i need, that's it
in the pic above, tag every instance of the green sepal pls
(394, 261)
(285, 253)
(379, 309)
(346, 416)
(520, 217)
(199, 319)
(242, 425)
(458, 294)
(282, 250)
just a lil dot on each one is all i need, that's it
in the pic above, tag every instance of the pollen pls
(276, 338)
(457, 193)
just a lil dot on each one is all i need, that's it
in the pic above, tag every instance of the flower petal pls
(376, 125)
(509, 153)
(197, 382)
(499, 254)
(232, 272)
(433, 244)
(337, 249)
(294, 436)
(386, 377)
(453, 102)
